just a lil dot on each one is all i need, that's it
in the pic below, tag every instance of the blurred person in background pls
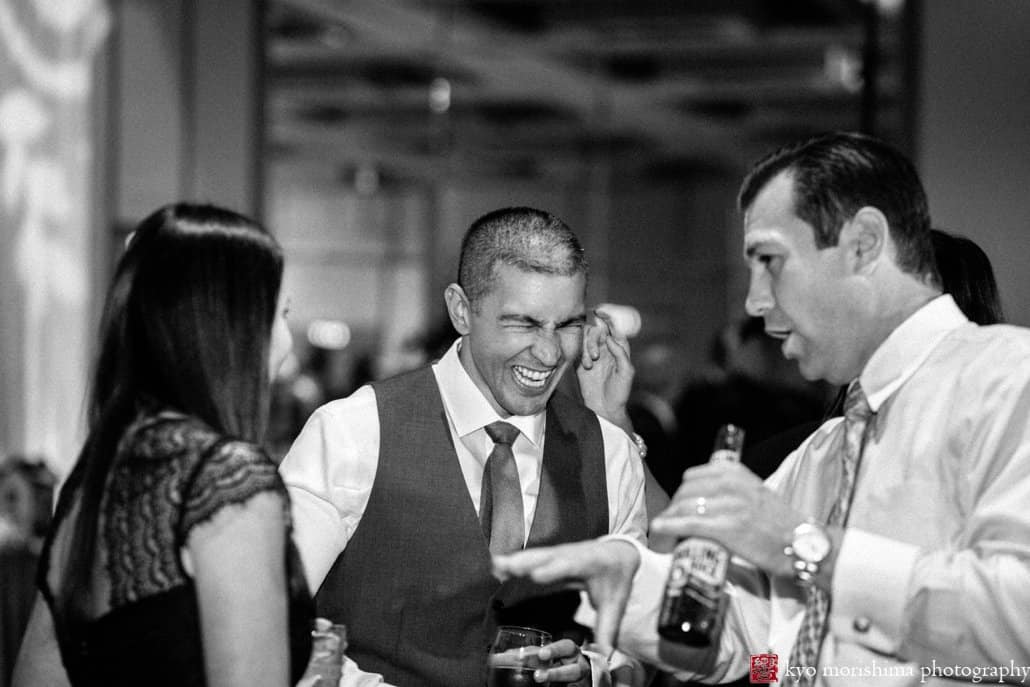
(396, 487)
(299, 389)
(656, 385)
(169, 561)
(26, 498)
(295, 395)
(966, 273)
(755, 388)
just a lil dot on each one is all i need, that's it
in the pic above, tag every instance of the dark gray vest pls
(414, 585)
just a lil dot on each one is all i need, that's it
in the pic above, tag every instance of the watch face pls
(811, 544)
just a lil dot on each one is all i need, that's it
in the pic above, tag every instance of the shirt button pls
(862, 624)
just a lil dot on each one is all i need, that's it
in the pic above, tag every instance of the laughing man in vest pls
(391, 513)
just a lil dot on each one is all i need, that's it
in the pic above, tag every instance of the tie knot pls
(856, 405)
(502, 433)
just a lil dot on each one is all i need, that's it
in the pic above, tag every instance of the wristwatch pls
(809, 546)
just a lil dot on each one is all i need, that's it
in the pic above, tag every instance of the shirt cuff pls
(638, 635)
(353, 676)
(599, 676)
(647, 577)
(617, 670)
(870, 589)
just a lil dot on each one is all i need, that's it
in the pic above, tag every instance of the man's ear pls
(458, 308)
(865, 237)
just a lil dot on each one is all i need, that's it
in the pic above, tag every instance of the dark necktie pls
(817, 605)
(500, 500)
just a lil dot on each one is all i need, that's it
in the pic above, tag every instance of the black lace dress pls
(171, 473)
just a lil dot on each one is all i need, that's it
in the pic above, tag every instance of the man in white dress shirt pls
(388, 485)
(893, 547)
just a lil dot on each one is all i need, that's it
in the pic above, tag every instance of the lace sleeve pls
(230, 473)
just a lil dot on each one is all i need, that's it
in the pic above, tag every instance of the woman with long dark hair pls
(966, 273)
(169, 561)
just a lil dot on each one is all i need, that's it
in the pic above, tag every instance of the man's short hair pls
(837, 174)
(529, 239)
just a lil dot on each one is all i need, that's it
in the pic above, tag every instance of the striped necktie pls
(817, 605)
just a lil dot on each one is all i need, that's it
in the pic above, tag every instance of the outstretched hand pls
(604, 568)
(605, 372)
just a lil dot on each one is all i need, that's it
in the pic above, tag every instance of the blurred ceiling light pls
(440, 95)
(331, 334)
(842, 66)
(889, 7)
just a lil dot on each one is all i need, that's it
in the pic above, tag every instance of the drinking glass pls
(514, 656)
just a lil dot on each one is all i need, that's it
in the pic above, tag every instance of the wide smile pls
(530, 378)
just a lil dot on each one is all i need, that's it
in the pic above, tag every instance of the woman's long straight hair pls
(186, 325)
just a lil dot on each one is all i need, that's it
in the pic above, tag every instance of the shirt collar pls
(907, 348)
(466, 405)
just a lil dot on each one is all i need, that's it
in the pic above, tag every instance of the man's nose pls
(547, 347)
(759, 299)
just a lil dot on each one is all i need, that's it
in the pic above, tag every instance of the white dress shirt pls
(330, 469)
(932, 581)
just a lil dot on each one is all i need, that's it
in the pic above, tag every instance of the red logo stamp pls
(764, 668)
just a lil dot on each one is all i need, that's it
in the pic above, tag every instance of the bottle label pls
(701, 565)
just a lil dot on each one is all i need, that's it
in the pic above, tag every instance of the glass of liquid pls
(515, 655)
